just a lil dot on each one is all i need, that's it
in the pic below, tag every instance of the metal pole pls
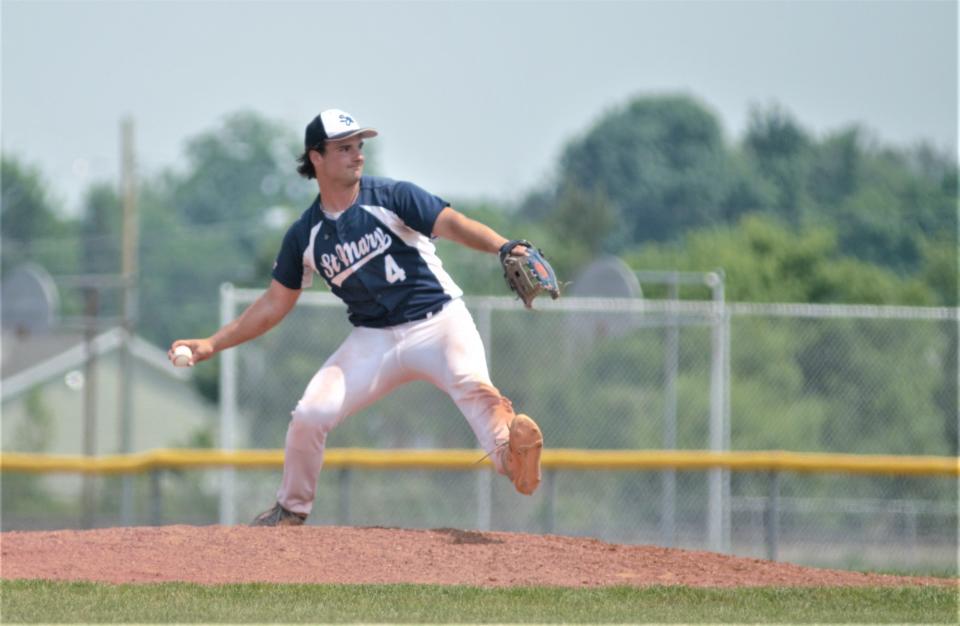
(484, 498)
(550, 508)
(773, 517)
(668, 527)
(727, 499)
(156, 498)
(129, 269)
(715, 502)
(343, 497)
(92, 306)
(228, 410)
(485, 476)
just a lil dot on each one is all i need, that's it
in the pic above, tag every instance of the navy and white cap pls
(334, 124)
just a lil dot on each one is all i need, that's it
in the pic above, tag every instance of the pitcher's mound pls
(330, 554)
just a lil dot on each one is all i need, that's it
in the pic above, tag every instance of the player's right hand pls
(202, 349)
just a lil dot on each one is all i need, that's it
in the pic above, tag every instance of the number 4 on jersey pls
(393, 271)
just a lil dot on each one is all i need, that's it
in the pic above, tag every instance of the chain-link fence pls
(609, 374)
(633, 374)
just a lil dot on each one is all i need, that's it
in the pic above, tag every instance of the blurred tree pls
(238, 171)
(765, 261)
(100, 227)
(218, 221)
(884, 202)
(589, 216)
(579, 221)
(659, 161)
(28, 219)
(238, 177)
(947, 396)
(782, 152)
(939, 269)
(900, 201)
(749, 192)
(837, 168)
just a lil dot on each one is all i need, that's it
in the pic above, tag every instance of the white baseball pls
(182, 356)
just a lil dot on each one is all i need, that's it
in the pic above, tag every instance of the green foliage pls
(781, 152)
(219, 221)
(946, 395)
(765, 261)
(939, 269)
(665, 173)
(591, 216)
(661, 162)
(100, 226)
(787, 216)
(236, 173)
(29, 222)
(26, 211)
(34, 433)
(24, 493)
(43, 601)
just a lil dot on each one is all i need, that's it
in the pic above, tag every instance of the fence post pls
(484, 475)
(484, 497)
(156, 498)
(668, 525)
(727, 439)
(550, 506)
(228, 410)
(718, 511)
(772, 517)
(343, 497)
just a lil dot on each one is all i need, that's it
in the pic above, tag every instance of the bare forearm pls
(265, 313)
(465, 231)
(257, 319)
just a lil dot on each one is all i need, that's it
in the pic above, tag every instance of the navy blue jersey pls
(377, 256)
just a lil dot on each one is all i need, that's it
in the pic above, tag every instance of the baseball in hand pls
(182, 356)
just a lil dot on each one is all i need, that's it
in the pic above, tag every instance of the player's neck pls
(336, 199)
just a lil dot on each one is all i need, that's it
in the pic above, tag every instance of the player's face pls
(343, 160)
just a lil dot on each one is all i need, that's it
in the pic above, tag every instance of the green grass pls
(60, 602)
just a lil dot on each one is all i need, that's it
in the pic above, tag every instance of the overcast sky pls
(473, 99)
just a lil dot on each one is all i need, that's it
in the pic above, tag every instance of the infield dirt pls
(346, 555)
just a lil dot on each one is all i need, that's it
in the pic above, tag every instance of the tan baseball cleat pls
(521, 455)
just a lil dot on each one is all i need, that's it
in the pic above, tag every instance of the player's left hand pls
(527, 271)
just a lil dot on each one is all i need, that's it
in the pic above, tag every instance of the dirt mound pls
(329, 554)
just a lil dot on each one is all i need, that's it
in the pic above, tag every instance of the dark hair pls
(304, 166)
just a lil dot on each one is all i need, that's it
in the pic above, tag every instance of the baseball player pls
(371, 239)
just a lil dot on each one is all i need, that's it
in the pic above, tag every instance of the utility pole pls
(129, 270)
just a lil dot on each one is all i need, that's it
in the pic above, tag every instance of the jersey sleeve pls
(417, 208)
(288, 268)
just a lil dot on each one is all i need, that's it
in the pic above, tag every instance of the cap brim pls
(366, 133)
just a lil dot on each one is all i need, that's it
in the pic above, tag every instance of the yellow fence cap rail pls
(470, 459)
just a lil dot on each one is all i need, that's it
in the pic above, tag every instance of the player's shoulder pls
(381, 191)
(376, 182)
(379, 187)
(302, 225)
(384, 191)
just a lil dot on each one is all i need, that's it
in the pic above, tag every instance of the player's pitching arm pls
(262, 315)
(456, 226)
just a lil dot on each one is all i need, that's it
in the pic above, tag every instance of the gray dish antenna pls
(606, 277)
(29, 299)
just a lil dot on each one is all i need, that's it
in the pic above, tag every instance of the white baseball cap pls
(334, 124)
